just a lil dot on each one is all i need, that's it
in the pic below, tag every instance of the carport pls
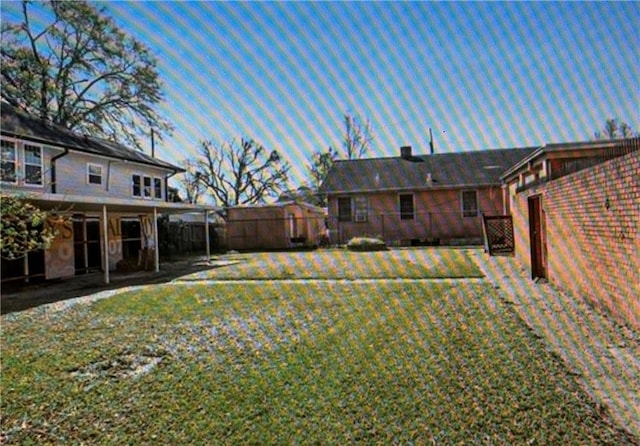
(59, 257)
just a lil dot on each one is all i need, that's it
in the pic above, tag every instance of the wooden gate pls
(498, 234)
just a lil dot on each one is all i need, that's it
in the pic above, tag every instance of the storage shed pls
(282, 225)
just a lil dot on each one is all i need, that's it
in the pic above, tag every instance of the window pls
(469, 203)
(361, 209)
(344, 209)
(147, 187)
(406, 207)
(94, 174)
(137, 186)
(157, 188)
(32, 164)
(8, 161)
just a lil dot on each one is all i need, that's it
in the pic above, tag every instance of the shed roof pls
(445, 170)
(19, 124)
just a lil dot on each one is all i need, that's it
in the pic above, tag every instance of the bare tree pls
(614, 128)
(81, 71)
(357, 137)
(241, 174)
(190, 182)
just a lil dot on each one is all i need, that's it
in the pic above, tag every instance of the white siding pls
(71, 172)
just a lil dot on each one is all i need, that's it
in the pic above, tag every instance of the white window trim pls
(153, 187)
(463, 210)
(101, 167)
(360, 217)
(141, 195)
(15, 161)
(24, 164)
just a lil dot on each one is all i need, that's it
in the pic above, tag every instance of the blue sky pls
(482, 75)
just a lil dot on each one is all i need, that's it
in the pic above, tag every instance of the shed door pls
(536, 235)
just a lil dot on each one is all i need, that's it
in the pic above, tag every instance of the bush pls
(366, 244)
(23, 228)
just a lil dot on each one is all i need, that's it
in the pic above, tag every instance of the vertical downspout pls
(53, 169)
(206, 234)
(156, 256)
(105, 229)
(166, 185)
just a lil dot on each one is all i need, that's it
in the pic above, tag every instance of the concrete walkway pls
(604, 356)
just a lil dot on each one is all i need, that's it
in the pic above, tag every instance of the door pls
(87, 246)
(537, 239)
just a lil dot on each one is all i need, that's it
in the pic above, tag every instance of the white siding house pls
(108, 195)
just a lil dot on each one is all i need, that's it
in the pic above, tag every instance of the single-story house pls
(108, 195)
(282, 225)
(414, 199)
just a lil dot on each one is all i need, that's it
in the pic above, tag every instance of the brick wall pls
(592, 234)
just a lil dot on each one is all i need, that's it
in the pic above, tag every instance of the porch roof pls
(81, 203)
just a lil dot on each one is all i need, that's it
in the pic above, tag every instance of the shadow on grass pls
(20, 296)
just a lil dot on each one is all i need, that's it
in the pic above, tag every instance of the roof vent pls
(429, 179)
(405, 152)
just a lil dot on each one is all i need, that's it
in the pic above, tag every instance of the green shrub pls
(366, 244)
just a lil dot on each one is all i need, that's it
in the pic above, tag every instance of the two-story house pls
(108, 194)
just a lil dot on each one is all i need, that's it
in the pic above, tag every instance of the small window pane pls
(344, 209)
(406, 207)
(136, 185)
(361, 208)
(32, 155)
(32, 164)
(157, 188)
(8, 162)
(147, 186)
(94, 173)
(33, 174)
(469, 204)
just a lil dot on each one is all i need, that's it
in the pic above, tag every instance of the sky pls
(481, 75)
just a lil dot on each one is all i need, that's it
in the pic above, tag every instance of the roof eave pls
(414, 189)
(166, 166)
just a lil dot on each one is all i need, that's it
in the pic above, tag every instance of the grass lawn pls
(342, 264)
(290, 363)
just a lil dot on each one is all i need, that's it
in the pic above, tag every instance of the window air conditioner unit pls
(361, 217)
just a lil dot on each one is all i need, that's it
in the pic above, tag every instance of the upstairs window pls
(469, 203)
(344, 209)
(406, 207)
(137, 186)
(157, 188)
(32, 165)
(94, 174)
(8, 161)
(147, 187)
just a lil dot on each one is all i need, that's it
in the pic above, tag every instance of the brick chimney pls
(405, 152)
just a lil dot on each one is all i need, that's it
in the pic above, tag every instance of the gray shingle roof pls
(19, 124)
(459, 169)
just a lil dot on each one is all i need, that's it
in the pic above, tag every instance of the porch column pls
(155, 240)
(105, 231)
(206, 234)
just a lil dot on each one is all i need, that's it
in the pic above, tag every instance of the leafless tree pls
(245, 173)
(190, 182)
(357, 137)
(614, 128)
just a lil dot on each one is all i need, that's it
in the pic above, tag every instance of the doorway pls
(537, 238)
(87, 248)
